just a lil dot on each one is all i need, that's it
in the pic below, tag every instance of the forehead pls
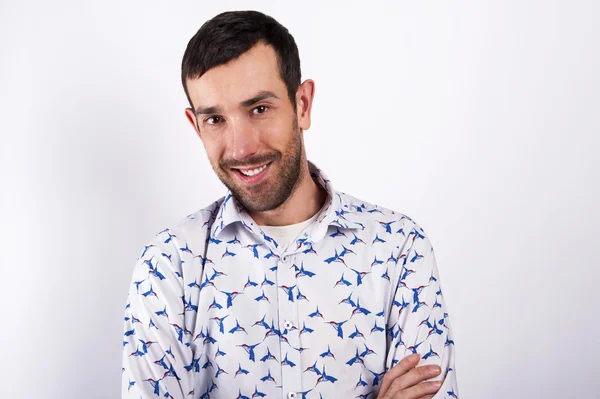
(254, 71)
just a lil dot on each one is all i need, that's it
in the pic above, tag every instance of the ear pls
(189, 114)
(304, 100)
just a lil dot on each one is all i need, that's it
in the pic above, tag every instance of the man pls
(284, 288)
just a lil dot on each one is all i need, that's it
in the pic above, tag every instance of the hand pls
(404, 381)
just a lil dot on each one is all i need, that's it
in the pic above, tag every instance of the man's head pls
(241, 74)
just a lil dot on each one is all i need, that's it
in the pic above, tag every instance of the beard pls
(276, 188)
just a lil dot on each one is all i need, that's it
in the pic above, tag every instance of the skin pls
(244, 117)
(244, 135)
(405, 381)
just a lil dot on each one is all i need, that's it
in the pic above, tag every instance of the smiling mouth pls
(253, 174)
(253, 171)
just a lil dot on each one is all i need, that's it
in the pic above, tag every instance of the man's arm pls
(156, 341)
(418, 321)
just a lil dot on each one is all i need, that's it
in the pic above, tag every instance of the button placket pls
(290, 357)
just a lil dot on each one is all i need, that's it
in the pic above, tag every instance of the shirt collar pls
(335, 212)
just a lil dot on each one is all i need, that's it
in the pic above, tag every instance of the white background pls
(478, 119)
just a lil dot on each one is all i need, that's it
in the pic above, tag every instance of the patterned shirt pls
(218, 309)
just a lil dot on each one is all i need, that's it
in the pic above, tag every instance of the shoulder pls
(378, 218)
(185, 237)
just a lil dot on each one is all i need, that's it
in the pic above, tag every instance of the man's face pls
(249, 128)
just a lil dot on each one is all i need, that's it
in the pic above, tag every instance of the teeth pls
(253, 172)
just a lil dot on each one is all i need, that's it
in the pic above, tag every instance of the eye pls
(213, 120)
(261, 109)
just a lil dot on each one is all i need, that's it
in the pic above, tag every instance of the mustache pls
(229, 163)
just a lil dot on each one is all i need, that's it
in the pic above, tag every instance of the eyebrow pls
(260, 96)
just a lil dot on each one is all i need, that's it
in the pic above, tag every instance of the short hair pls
(228, 35)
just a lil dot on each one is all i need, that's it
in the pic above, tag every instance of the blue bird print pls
(262, 297)
(328, 353)
(376, 377)
(376, 262)
(220, 371)
(258, 394)
(268, 356)
(268, 377)
(324, 377)
(406, 273)
(302, 272)
(376, 328)
(261, 322)
(300, 297)
(186, 249)
(337, 233)
(416, 257)
(361, 382)
(346, 251)
(150, 292)
(161, 362)
(227, 253)
(356, 240)
(288, 291)
(430, 353)
(214, 240)
(146, 248)
(348, 300)
(385, 275)
(220, 321)
(170, 237)
(266, 281)
(234, 240)
(355, 359)
(387, 226)
(305, 329)
(249, 349)
(137, 285)
(342, 281)
(230, 297)
(367, 351)
(237, 328)
(413, 348)
(269, 239)
(287, 362)
(253, 248)
(377, 239)
(313, 369)
(316, 313)
(250, 283)
(240, 370)
(359, 276)
(155, 384)
(214, 304)
(356, 334)
(392, 258)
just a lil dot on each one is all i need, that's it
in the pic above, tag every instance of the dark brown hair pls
(230, 34)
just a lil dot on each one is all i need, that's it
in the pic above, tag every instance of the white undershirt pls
(285, 235)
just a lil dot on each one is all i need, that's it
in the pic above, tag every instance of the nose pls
(244, 139)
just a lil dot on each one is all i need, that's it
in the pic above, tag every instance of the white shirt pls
(285, 235)
(218, 308)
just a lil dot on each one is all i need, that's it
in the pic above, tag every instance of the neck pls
(306, 200)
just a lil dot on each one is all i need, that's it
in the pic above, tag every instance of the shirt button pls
(292, 395)
(288, 325)
(284, 259)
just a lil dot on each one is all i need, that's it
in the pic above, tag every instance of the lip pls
(250, 180)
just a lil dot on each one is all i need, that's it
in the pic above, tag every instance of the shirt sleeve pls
(157, 358)
(418, 321)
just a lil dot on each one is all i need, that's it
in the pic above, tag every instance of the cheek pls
(214, 150)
